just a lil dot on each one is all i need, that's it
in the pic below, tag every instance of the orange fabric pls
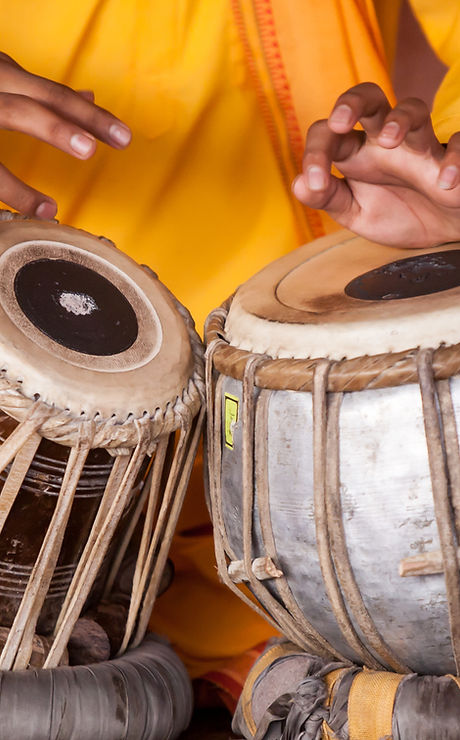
(229, 677)
(198, 194)
(344, 48)
(207, 624)
(388, 16)
(284, 43)
(203, 192)
(302, 58)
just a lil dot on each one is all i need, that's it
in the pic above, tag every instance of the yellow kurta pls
(219, 95)
(441, 24)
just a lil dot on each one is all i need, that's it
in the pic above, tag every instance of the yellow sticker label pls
(231, 417)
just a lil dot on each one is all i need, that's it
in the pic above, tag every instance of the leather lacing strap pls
(312, 639)
(436, 435)
(451, 445)
(286, 622)
(287, 615)
(161, 538)
(341, 587)
(223, 550)
(214, 449)
(337, 539)
(114, 501)
(290, 620)
(18, 647)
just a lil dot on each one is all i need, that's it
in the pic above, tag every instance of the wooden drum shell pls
(29, 518)
(101, 383)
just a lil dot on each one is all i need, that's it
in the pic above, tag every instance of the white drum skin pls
(388, 514)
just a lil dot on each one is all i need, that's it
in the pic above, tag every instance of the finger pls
(322, 148)
(336, 199)
(87, 95)
(67, 103)
(19, 113)
(449, 172)
(409, 121)
(366, 103)
(23, 198)
(83, 111)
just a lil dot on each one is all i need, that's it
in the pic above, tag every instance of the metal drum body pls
(387, 505)
(333, 406)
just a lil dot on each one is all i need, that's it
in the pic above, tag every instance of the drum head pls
(343, 296)
(83, 327)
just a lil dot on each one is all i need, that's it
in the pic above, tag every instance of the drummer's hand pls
(400, 186)
(65, 118)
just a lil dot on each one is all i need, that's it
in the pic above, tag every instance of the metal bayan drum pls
(333, 404)
(101, 387)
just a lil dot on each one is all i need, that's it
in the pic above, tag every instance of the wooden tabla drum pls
(101, 390)
(334, 464)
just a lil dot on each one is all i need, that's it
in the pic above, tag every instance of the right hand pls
(56, 114)
(400, 186)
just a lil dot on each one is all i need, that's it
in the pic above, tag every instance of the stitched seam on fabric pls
(274, 61)
(251, 19)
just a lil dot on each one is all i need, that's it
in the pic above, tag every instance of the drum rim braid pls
(311, 637)
(359, 373)
(62, 426)
(343, 591)
(439, 439)
(284, 619)
(222, 547)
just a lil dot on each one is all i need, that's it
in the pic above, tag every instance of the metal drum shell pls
(388, 514)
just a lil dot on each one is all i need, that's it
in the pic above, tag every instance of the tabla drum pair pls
(334, 467)
(101, 389)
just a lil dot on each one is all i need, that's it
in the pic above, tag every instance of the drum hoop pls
(63, 427)
(359, 373)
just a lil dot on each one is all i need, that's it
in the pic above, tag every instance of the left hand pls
(65, 118)
(400, 185)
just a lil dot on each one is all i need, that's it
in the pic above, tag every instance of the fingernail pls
(82, 144)
(342, 114)
(390, 131)
(316, 178)
(448, 177)
(120, 134)
(46, 210)
(299, 189)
